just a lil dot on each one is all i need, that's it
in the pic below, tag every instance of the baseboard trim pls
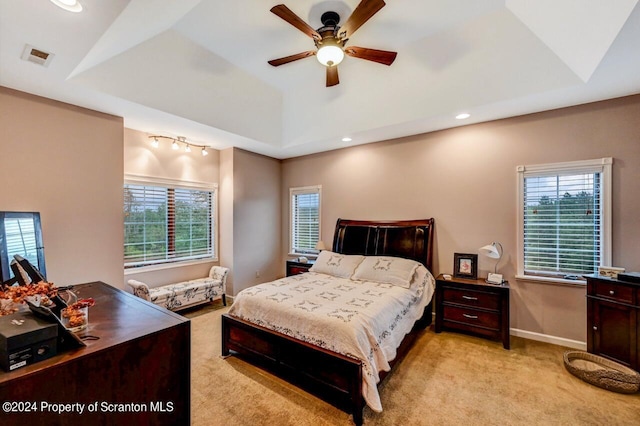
(555, 340)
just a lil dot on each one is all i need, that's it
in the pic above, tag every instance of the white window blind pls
(165, 223)
(564, 219)
(20, 237)
(305, 219)
(20, 234)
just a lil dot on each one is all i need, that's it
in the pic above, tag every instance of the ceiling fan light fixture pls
(330, 39)
(330, 55)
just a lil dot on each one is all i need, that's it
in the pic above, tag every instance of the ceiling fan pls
(330, 39)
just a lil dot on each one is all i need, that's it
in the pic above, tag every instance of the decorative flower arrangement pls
(11, 297)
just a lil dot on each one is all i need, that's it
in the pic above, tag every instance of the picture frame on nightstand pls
(465, 265)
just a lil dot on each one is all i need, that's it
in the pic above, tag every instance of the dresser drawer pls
(472, 298)
(471, 316)
(613, 291)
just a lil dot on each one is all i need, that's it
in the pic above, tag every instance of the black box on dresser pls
(632, 277)
(25, 339)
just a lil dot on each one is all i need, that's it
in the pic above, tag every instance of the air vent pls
(36, 56)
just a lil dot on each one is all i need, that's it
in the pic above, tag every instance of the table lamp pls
(493, 251)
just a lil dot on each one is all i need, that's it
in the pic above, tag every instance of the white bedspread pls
(361, 319)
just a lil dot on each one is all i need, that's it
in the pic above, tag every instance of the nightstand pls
(474, 307)
(294, 267)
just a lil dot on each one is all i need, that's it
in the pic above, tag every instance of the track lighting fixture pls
(176, 143)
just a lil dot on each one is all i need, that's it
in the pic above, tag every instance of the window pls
(305, 219)
(167, 222)
(564, 219)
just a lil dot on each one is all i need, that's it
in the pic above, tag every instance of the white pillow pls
(338, 265)
(422, 274)
(385, 269)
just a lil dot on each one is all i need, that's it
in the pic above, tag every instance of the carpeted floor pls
(446, 379)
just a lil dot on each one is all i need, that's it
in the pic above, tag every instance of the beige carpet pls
(446, 379)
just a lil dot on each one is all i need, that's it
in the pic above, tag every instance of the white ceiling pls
(198, 68)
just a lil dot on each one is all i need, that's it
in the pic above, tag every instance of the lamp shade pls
(320, 245)
(490, 251)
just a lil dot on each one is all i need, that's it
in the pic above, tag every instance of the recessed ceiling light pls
(70, 5)
(462, 116)
(346, 139)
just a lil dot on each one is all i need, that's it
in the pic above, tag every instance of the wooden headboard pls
(411, 239)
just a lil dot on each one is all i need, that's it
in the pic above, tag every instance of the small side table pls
(295, 267)
(474, 307)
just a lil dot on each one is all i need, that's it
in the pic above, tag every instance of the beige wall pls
(251, 189)
(66, 163)
(466, 179)
(256, 219)
(141, 159)
(226, 215)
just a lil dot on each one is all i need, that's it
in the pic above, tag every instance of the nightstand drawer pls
(294, 270)
(613, 291)
(471, 317)
(472, 298)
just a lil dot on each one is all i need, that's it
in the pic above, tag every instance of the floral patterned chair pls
(187, 293)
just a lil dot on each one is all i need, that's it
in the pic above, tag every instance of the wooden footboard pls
(318, 370)
(334, 377)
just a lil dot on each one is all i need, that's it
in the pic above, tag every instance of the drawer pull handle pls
(469, 297)
(470, 316)
(611, 292)
(595, 328)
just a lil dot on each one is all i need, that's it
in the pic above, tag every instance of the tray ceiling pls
(198, 68)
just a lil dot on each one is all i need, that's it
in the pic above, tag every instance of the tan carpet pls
(446, 379)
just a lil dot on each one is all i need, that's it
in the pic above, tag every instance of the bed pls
(343, 375)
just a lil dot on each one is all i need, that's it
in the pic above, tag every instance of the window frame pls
(600, 165)
(131, 179)
(313, 189)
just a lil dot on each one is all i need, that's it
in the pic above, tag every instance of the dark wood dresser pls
(613, 320)
(474, 307)
(142, 357)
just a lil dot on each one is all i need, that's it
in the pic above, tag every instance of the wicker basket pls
(602, 372)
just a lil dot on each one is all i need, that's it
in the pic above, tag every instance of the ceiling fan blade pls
(332, 76)
(362, 13)
(285, 13)
(380, 56)
(287, 59)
